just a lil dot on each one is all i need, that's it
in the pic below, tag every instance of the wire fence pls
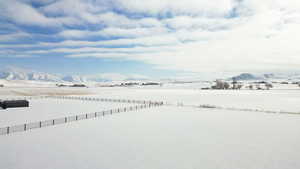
(209, 106)
(68, 119)
(107, 100)
(89, 99)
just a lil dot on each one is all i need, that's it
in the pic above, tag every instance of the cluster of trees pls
(267, 86)
(225, 85)
(237, 86)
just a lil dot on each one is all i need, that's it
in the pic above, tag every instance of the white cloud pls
(177, 7)
(13, 36)
(74, 7)
(117, 20)
(41, 2)
(116, 76)
(200, 23)
(81, 10)
(96, 50)
(22, 13)
(143, 41)
(89, 12)
(197, 36)
(113, 32)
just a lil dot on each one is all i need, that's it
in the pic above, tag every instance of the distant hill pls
(245, 76)
(74, 78)
(267, 76)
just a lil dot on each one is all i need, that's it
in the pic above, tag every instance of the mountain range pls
(16, 73)
(268, 76)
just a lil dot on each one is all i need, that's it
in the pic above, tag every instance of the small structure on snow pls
(4, 104)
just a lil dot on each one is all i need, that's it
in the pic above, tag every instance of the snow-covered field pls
(45, 109)
(282, 97)
(161, 137)
(286, 100)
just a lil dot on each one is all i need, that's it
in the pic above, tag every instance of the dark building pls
(78, 85)
(13, 103)
(150, 83)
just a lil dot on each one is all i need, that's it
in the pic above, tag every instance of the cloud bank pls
(190, 35)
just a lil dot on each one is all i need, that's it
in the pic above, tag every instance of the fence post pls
(7, 130)
(65, 119)
(53, 122)
(95, 114)
(40, 124)
(24, 127)
(76, 117)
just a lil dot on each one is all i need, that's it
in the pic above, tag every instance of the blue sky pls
(86, 66)
(155, 38)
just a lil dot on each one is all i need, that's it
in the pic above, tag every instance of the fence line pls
(89, 99)
(209, 106)
(106, 99)
(68, 119)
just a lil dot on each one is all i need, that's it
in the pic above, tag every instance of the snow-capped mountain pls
(14, 73)
(74, 78)
(269, 76)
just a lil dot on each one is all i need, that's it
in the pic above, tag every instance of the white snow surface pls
(167, 137)
(275, 100)
(46, 109)
(160, 138)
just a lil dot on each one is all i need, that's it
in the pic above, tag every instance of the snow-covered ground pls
(45, 109)
(282, 97)
(285, 100)
(161, 137)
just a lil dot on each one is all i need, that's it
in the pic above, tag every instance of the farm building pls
(78, 85)
(13, 103)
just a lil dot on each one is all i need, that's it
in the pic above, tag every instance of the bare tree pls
(226, 85)
(268, 86)
(221, 85)
(239, 86)
(251, 87)
(258, 87)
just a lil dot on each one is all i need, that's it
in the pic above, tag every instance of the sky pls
(151, 38)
